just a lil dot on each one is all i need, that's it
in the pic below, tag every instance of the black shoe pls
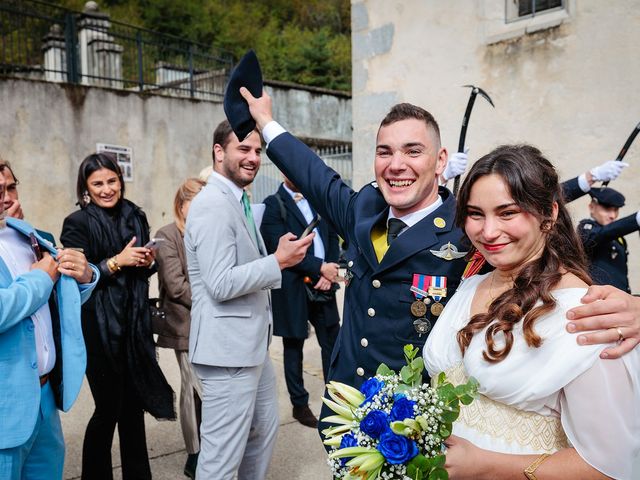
(190, 466)
(305, 416)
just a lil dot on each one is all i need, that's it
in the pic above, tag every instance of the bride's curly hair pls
(533, 184)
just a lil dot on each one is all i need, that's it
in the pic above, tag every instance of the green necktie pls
(246, 206)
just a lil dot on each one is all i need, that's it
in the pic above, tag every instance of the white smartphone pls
(154, 243)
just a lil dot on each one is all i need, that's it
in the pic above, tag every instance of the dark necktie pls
(394, 228)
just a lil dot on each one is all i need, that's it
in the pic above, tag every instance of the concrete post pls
(100, 55)
(55, 61)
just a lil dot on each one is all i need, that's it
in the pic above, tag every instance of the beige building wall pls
(566, 81)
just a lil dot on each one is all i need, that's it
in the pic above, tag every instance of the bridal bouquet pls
(394, 426)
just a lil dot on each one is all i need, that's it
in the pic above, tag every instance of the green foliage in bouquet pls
(394, 426)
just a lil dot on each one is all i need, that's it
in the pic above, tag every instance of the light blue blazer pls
(19, 380)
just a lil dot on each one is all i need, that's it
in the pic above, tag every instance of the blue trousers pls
(42, 456)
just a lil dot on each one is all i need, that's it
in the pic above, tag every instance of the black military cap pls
(246, 74)
(607, 197)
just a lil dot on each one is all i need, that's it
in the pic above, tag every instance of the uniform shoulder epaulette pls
(586, 225)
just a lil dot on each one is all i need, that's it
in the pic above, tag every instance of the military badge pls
(422, 326)
(448, 252)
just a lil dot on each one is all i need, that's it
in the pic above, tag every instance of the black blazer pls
(290, 307)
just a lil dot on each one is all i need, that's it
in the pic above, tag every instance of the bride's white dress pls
(542, 399)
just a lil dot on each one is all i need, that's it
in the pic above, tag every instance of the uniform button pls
(371, 312)
(34, 365)
(360, 371)
(364, 342)
(427, 300)
(30, 327)
(350, 264)
(376, 283)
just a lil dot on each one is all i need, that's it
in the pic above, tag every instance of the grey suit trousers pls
(239, 421)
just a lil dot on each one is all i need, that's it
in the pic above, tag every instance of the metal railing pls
(269, 177)
(43, 41)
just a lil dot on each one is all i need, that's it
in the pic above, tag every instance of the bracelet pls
(529, 471)
(112, 264)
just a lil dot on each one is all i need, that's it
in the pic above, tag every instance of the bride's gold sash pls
(528, 429)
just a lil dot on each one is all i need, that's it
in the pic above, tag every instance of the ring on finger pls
(620, 335)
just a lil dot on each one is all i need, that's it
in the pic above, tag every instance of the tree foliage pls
(301, 41)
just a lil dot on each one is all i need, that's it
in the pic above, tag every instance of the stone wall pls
(48, 128)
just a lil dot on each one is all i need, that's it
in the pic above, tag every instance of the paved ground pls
(298, 454)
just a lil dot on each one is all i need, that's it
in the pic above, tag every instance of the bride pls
(548, 408)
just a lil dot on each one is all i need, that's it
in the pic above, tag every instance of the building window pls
(521, 9)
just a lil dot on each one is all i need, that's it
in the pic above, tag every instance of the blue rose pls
(397, 449)
(370, 388)
(348, 440)
(402, 408)
(375, 423)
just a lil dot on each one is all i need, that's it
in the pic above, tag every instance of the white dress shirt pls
(16, 253)
(305, 209)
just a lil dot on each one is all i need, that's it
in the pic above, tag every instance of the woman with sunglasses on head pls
(547, 408)
(122, 369)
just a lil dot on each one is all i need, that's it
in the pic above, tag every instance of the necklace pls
(491, 297)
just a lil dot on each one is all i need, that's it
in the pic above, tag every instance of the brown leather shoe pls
(305, 416)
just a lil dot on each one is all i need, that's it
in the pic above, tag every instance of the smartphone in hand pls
(309, 228)
(35, 247)
(154, 243)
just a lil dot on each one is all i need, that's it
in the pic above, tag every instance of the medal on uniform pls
(422, 326)
(436, 308)
(437, 290)
(419, 308)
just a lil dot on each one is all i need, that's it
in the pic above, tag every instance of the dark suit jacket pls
(290, 307)
(377, 320)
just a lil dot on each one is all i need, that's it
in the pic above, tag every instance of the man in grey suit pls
(231, 325)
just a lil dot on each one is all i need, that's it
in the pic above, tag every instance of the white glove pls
(608, 171)
(456, 165)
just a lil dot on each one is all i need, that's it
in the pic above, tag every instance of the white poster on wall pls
(124, 158)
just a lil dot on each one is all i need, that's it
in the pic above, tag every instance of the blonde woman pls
(173, 332)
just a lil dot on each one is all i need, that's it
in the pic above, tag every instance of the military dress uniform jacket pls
(571, 190)
(290, 305)
(377, 321)
(606, 250)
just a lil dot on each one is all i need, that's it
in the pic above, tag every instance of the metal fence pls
(269, 178)
(43, 41)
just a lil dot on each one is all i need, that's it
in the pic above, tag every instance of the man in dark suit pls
(288, 211)
(603, 238)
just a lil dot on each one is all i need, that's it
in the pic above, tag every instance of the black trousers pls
(292, 354)
(116, 404)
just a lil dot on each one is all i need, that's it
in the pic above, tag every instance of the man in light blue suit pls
(42, 353)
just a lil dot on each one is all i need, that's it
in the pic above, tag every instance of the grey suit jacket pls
(231, 321)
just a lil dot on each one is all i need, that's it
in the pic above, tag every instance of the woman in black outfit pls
(122, 370)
